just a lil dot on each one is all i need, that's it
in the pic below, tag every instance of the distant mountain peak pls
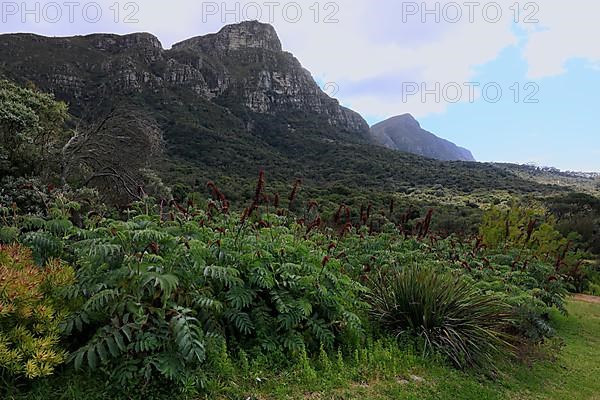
(244, 35)
(404, 133)
(406, 119)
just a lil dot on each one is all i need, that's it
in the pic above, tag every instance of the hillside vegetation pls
(343, 270)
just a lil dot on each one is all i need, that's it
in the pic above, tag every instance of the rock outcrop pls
(242, 68)
(243, 36)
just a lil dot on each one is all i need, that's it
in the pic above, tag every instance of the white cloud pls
(371, 43)
(569, 31)
(348, 54)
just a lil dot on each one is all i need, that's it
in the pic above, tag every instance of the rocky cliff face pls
(241, 68)
(232, 103)
(247, 35)
(404, 133)
(269, 80)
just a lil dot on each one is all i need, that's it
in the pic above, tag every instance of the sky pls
(511, 81)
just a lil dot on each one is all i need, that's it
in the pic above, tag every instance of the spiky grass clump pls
(447, 312)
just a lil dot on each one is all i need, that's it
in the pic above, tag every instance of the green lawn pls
(574, 375)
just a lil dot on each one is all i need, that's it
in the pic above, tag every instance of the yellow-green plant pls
(532, 229)
(30, 313)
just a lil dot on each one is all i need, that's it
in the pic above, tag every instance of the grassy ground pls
(576, 373)
(573, 375)
(388, 371)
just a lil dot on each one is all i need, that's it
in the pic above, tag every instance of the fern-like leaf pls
(188, 336)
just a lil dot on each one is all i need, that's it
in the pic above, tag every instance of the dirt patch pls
(586, 298)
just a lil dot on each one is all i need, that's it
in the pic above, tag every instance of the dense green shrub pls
(530, 286)
(534, 231)
(447, 312)
(593, 275)
(22, 195)
(156, 290)
(31, 124)
(578, 213)
(170, 292)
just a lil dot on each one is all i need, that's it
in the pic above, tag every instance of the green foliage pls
(131, 295)
(593, 275)
(31, 123)
(154, 293)
(594, 289)
(520, 227)
(534, 231)
(31, 312)
(578, 213)
(171, 294)
(25, 195)
(276, 293)
(447, 312)
(381, 369)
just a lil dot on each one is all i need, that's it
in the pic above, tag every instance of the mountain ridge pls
(223, 67)
(137, 61)
(229, 106)
(404, 133)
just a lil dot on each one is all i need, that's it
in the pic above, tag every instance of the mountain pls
(242, 65)
(230, 104)
(404, 133)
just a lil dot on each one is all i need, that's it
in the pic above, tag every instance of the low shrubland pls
(163, 295)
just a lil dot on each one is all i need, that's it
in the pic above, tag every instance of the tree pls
(113, 153)
(32, 126)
